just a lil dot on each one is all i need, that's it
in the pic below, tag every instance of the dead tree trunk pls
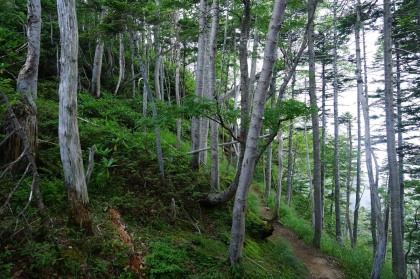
(68, 130)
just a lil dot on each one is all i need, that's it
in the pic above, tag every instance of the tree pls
(398, 259)
(315, 128)
(249, 161)
(121, 61)
(337, 195)
(68, 130)
(27, 87)
(347, 119)
(276, 213)
(97, 63)
(195, 122)
(211, 93)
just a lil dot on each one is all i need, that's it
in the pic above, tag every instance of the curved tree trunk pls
(27, 87)
(121, 60)
(378, 233)
(250, 155)
(68, 130)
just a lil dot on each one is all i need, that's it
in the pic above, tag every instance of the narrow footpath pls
(320, 266)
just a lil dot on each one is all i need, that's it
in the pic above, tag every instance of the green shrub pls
(166, 260)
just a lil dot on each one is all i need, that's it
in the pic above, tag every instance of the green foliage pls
(285, 110)
(280, 253)
(253, 203)
(356, 263)
(166, 260)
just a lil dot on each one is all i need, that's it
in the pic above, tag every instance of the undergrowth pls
(173, 235)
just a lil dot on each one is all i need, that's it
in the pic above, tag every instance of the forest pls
(210, 139)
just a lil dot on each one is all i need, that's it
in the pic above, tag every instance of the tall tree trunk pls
(315, 129)
(289, 180)
(398, 260)
(68, 130)
(97, 64)
(323, 136)
(177, 78)
(348, 179)
(308, 165)
(195, 122)
(290, 161)
(400, 136)
(254, 57)
(359, 131)
(243, 62)
(280, 176)
(268, 166)
(158, 58)
(121, 59)
(204, 121)
(378, 229)
(250, 155)
(337, 195)
(211, 82)
(133, 76)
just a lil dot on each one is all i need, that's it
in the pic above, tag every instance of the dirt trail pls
(320, 266)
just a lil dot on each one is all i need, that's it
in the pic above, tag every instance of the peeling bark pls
(68, 131)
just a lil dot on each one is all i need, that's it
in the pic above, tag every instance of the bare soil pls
(320, 266)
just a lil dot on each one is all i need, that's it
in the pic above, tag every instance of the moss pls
(256, 227)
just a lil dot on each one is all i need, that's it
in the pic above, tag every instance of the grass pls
(356, 263)
(194, 245)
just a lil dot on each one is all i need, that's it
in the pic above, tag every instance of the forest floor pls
(319, 265)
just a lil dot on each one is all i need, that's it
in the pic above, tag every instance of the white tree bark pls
(97, 64)
(211, 77)
(280, 176)
(195, 122)
(268, 165)
(68, 130)
(177, 76)
(308, 164)
(248, 163)
(158, 58)
(121, 59)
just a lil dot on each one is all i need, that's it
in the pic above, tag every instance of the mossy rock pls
(256, 227)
